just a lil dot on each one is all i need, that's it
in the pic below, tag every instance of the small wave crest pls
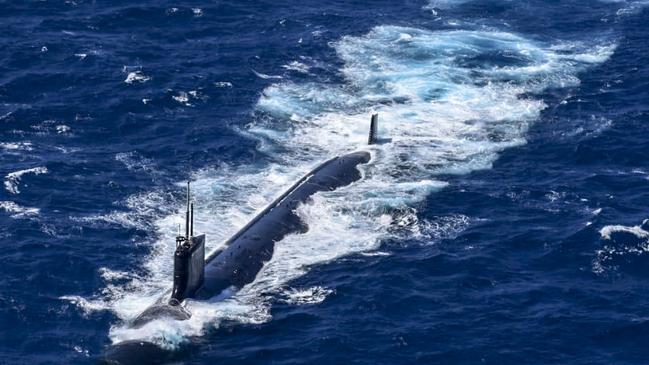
(136, 77)
(626, 244)
(313, 295)
(637, 231)
(17, 146)
(18, 211)
(12, 180)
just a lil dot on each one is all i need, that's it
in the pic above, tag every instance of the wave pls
(136, 77)
(637, 231)
(313, 295)
(12, 180)
(267, 77)
(297, 67)
(449, 100)
(17, 146)
(626, 244)
(18, 211)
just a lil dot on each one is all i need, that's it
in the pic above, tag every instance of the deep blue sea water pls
(504, 223)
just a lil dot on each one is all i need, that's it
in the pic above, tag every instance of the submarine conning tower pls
(189, 259)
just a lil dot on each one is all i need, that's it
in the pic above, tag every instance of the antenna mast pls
(191, 220)
(187, 214)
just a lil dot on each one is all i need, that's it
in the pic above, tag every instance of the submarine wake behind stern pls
(244, 254)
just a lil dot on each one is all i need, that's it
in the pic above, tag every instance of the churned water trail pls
(502, 222)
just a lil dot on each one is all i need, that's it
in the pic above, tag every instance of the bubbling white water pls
(449, 100)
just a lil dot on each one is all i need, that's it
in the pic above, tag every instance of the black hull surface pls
(245, 253)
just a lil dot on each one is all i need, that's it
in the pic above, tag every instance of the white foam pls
(446, 111)
(170, 333)
(297, 67)
(183, 97)
(313, 295)
(139, 212)
(16, 146)
(121, 219)
(443, 227)
(12, 180)
(136, 77)
(82, 351)
(5, 115)
(111, 275)
(86, 306)
(376, 254)
(606, 257)
(62, 129)
(637, 231)
(48, 126)
(267, 77)
(18, 211)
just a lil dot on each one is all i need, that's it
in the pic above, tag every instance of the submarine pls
(240, 259)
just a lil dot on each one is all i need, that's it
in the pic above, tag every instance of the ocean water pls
(506, 222)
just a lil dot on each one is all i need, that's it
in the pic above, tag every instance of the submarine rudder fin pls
(374, 132)
(374, 126)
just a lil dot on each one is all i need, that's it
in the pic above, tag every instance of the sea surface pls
(504, 223)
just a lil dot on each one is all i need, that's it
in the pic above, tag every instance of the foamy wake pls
(450, 102)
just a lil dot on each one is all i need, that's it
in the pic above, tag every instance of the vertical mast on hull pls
(187, 218)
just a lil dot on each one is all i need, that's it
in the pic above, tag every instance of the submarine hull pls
(253, 245)
(245, 253)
